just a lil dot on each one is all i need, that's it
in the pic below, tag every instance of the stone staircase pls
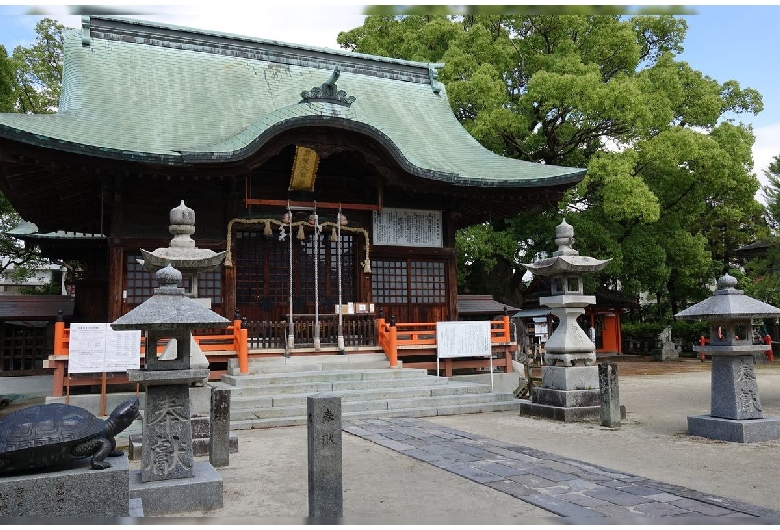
(274, 392)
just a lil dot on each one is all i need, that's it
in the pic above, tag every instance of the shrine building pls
(326, 175)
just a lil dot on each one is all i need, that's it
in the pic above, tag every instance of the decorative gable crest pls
(328, 92)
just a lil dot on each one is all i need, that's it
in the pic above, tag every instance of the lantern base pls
(741, 431)
(566, 414)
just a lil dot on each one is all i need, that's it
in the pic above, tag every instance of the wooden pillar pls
(115, 277)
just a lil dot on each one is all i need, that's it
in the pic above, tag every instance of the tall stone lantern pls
(735, 414)
(570, 379)
(166, 455)
(189, 260)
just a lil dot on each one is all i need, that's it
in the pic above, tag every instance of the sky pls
(724, 42)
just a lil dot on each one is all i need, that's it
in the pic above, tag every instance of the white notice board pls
(464, 339)
(97, 348)
(408, 228)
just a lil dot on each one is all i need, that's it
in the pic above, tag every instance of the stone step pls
(423, 389)
(336, 386)
(315, 363)
(374, 405)
(417, 412)
(321, 376)
(275, 393)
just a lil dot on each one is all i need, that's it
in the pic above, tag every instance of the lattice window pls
(427, 282)
(210, 285)
(347, 268)
(263, 269)
(404, 281)
(139, 283)
(389, 283)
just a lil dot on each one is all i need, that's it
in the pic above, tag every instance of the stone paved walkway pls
(561, 485)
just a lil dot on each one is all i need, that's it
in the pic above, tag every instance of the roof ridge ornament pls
(328, 92)
(433, 75)
(85, 28)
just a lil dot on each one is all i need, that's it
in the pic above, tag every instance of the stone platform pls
(202, 492)
(76, 491)
(742, 431)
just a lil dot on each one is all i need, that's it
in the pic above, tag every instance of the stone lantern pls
(570, 391)
(736, 414)
(184, 256)
(167, 432)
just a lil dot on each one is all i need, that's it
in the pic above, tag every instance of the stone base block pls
(742, 431)
(570, 377)
(78, 491)
(566, 398)
(567, 414)
(201, 492)
(200, 446)
(667, 353)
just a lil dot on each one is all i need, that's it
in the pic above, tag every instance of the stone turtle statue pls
(50, 436)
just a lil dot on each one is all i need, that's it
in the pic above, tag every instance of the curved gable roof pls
(150, 92)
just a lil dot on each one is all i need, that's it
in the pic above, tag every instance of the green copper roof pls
(150, 92)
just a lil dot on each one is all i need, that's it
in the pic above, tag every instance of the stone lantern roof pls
(728, 303)
(169, 309)
(182, 252)
(565, 259)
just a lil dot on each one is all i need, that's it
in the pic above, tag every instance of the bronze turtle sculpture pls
(50, 436)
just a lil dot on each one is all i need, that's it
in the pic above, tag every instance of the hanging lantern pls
(312, 220)
(267, 231)
(343, 220)
(286, 218)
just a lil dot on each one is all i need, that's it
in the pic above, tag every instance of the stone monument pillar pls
(570, 378)
(736, 414)
(169, 480)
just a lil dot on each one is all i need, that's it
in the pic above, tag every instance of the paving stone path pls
(561, 485)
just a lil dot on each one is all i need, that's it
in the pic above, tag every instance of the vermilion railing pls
(394, 335)
(229, 344)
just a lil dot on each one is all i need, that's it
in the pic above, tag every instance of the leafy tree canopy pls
(670, 190)
(38, 78)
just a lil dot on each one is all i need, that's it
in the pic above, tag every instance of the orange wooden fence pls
(216, 348)
(414, 339)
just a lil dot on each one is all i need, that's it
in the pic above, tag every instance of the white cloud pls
(766, 147)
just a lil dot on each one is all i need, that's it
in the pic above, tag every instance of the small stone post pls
(219, 428)
(324, 440)
(610, 399)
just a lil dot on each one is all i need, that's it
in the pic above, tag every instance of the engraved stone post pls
(167, 434)
(610, 399)
(324, 438)
(219, 433)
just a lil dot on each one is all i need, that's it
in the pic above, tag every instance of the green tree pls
(7, 76)
(38, 79)
(763, 269)
(771, 191)
(669, 191)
